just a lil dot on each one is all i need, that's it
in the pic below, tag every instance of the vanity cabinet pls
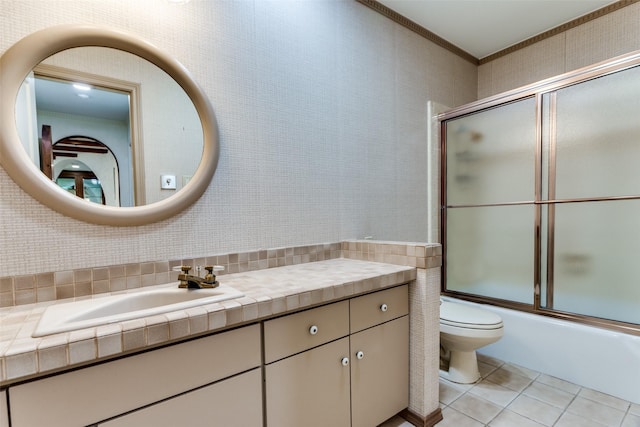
(236, 401)
(342, 364)
(193, 373)
(345, 364)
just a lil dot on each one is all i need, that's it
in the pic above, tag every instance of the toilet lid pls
(467, 316)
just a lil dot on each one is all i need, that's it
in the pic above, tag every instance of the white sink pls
(101, 311)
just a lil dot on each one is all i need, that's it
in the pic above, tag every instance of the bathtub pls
(602, 360)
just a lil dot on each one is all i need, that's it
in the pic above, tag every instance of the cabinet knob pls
(313, 330)
(345, 361)
(360, 355)
(384, 308)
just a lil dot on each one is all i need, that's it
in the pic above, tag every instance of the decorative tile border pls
(51, 286)
(419, 255)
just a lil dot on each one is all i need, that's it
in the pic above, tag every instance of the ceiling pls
(63, 97)
(483, 27)
(479, 27)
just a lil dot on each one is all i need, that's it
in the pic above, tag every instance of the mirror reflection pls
(106, 125)
(83, 166)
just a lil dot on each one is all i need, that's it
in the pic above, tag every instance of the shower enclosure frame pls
(536, 90)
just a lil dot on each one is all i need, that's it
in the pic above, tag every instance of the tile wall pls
(50, 286)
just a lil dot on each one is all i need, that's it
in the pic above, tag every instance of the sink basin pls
(117, 308)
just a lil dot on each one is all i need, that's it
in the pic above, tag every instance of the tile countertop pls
(267, 292)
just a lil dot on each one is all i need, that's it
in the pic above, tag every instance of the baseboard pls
(429, 421)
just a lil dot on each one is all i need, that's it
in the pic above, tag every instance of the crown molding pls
(418, 29)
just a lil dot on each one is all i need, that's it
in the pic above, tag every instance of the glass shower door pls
(489, 199)
(541, 197)
(596, 259)
(594, 175)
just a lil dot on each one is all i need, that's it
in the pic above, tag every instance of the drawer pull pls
(345, 361)
(384, 308)
(360, 355)
(313, 330)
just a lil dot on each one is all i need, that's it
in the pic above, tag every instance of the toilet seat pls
(468, 317)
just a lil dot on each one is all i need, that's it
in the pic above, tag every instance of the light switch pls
(168, 182)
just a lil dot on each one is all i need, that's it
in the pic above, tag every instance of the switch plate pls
(168, 182)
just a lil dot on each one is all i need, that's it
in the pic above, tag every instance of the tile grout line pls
(464, 390)
(565, 410)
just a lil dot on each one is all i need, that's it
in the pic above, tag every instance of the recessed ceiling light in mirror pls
(82, 86)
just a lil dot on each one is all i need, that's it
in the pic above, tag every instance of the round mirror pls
(107, 99)
(160, 153)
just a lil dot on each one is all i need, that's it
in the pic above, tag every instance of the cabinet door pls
(4, 411)
(233, 402)
(310, 389)
(380, 374)
(113, 388)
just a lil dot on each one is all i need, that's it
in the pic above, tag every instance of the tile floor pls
(512, 396)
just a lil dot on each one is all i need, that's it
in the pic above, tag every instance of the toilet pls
(464, 329)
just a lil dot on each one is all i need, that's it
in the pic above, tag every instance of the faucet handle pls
(184, 276)
(209, 277)
(213, 268)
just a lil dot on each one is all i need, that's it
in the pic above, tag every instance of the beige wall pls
(600, 39)
(321, 107)
(322, 113)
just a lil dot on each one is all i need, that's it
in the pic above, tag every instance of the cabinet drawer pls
(292, 334)
(102, 391)
(378, 307)
(233, 402)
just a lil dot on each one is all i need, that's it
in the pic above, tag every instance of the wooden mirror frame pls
(22, 57)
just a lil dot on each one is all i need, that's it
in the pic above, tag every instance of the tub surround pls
(268, 292)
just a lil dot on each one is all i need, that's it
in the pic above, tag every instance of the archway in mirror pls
(83, 166)
(82, 183)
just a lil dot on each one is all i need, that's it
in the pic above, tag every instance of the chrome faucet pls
(190, 281)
